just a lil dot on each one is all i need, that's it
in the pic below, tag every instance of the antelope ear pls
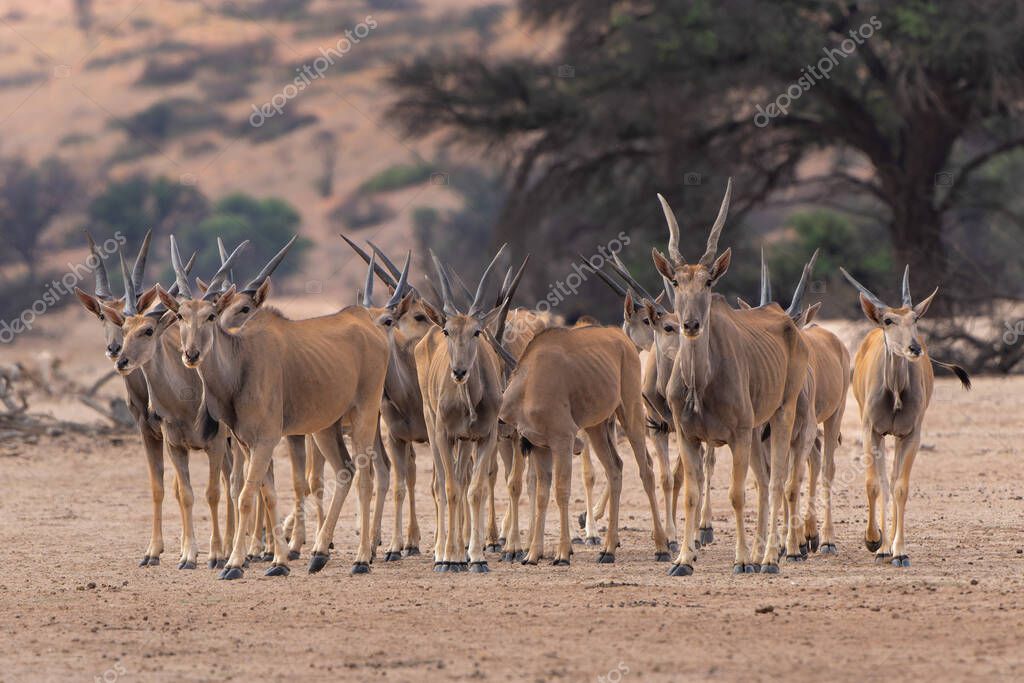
(435, 316)
(810, 314)
(166, 299)
(224, 300)
(203, 286)
(166, 320)
(90, 303)
(147, 299)
(262, 294)
(662, 264)
(403, 306)
(721, 265)
(743, 304)
(629, 307)
(922, 308)
(652, 313)
(873, 313)
(113, 315)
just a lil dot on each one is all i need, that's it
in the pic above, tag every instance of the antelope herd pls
(210, 366)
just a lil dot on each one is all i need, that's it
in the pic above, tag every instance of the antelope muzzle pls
(691, 328)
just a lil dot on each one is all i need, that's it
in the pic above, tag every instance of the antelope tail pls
(961, 374)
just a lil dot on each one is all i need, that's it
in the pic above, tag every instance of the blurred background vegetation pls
(551, 124)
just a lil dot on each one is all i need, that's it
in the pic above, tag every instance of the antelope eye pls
(646, 321)
(149, 332)
(444, 332)
(477, 333)
(420, 318)
(675, 283)
(245, 309)
(388, 322)
(178, 316)
(888, 321)
(668, 328)
(102, 317)
(212, 318)
(708, 283)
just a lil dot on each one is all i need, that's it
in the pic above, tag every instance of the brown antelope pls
(138, 393)
(250, 301)
(278, 377)
(151, 345)
(892, 382)
(567, 380)
(460, 381)
(822, 402)
(135, 384)
(734, 371)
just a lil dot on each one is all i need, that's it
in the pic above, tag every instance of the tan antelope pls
(460, 380)
(135, 385)
(892, 382)
(734, 371)
(278, 377)
(151, 344)
(567, 380)
(822, 402)
(405, 322)
(248, 302)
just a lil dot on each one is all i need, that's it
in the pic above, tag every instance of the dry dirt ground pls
(74, 520)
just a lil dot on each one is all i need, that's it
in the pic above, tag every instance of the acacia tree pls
(644, 97)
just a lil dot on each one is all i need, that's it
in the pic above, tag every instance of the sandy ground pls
(74, 520)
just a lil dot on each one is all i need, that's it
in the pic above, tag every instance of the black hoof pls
(479, 568)
(440, 567)
(186, 564)
(277, 570)
(502, 541)
(769, 569)
(144, 562)
(707, 536)
(360, 568)
(829, 549)
(560, 563)
(673, 547)
(697, 544)
(883, 558)
(605, 558)
(331, 546)
(738, 569)
(592, 540)
(872, 545)
(412, 551)
(212, 564)
(901, 561)
(392, 556)
(795, 558)
(506, 557)
(231, 573)
(576, 540)
(221, 563)
(245, 564)
(805, 549)
(294, 555)
(520, 555)
(582, 519)
(267, 556)
(661, 557)
(681, 570)
(317, 562)
(459, 566)
(751, 569)
(527, 561)
(154, 561)
(813, 542)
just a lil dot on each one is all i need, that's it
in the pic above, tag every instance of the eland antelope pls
(150, 345)
(147, 421)
(277, 377)
(892, 382)
(734, 371)
(572, 379)
(459, 372)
